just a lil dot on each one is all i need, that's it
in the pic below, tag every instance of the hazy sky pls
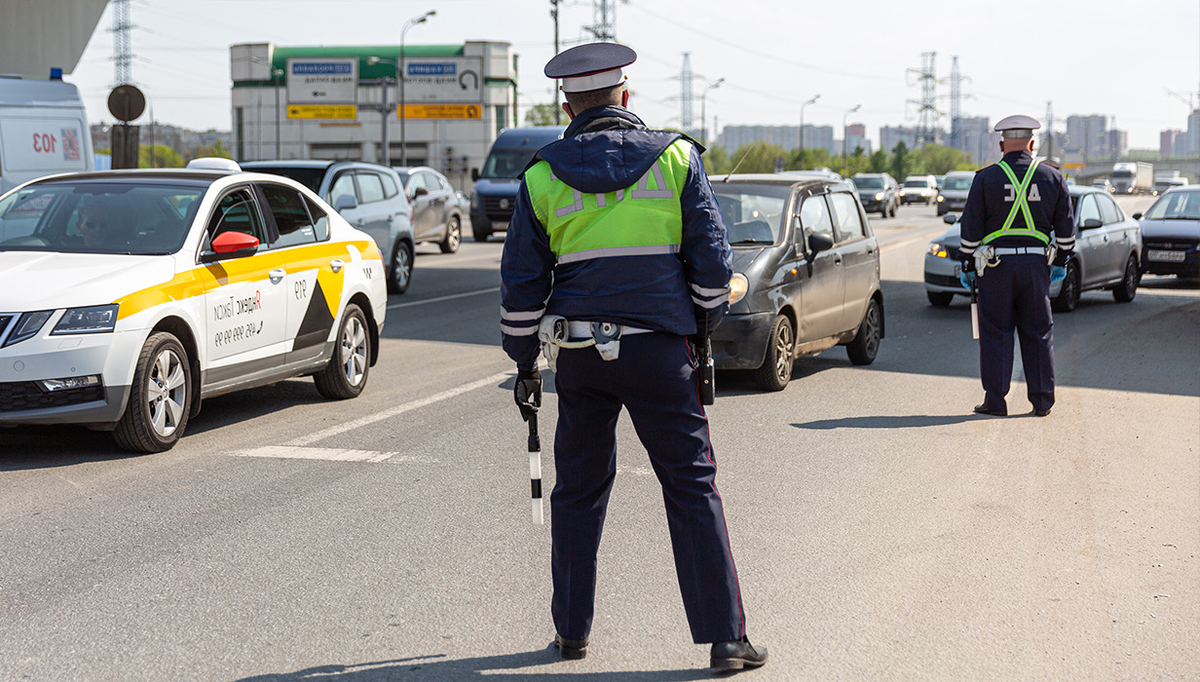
(1116, 58)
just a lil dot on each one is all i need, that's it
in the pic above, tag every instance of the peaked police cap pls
(594, 66)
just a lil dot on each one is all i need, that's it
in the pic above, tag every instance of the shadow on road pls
(914, 421)
(437, 667)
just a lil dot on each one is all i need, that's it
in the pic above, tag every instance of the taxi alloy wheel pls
(865, 345)
(453, 235)
(159, 400)
(346, 374)
(776, 369)
(400, 274)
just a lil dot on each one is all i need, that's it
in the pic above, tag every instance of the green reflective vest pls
(642, 219)
(1020, 205)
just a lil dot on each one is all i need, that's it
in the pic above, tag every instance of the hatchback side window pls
(389, 186)
(237, 212)
(814, 216)
(1109, 212)
(415, 182)
(291, 216)
(1087, 210)
(433, 182)
(849, 222)
(370, 187)
(342, 186)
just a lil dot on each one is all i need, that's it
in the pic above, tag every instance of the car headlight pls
(901, 192)
(738, 286)
(28, 325)
(879, 196)
(936, 249)
(941, 198)
(474, 199)
(94, 320)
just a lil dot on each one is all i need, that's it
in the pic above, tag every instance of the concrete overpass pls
(38, 35)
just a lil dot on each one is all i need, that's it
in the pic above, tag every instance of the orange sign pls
(459, 111)
(326, 111)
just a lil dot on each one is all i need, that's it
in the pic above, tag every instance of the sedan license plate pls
(1166, 256)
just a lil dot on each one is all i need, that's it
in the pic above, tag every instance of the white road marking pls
(397, 410)
(451, 297)
(332, 454)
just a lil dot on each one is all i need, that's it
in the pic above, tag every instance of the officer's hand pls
(1057, 272)
(967, 279)
(1062, 258)
(527, 392)
(968, 264)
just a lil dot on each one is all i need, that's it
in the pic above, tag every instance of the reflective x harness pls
(988, 257)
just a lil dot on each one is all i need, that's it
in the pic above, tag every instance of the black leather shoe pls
(1041, 413)
(737, 654)
(984, 409)
(571, 649)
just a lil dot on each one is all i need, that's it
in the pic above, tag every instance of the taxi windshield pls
(753, 214)
(91, 216)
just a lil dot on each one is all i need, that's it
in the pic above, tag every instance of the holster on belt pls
(554, 331)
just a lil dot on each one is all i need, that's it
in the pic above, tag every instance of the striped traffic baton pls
(535, 469)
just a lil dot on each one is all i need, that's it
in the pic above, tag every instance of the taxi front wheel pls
(346, 374)
(160, 398)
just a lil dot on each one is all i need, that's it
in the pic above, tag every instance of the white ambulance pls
(43, 130)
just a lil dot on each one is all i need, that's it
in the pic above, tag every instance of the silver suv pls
(369, 196)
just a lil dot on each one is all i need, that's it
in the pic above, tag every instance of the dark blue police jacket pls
(986, 208)
(605, 149)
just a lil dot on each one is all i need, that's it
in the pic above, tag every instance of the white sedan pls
(126, 297)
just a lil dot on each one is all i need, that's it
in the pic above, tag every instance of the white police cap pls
(1017, 126)
(594, 66)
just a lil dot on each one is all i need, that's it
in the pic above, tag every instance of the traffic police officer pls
(615, 250)
(1017, 227)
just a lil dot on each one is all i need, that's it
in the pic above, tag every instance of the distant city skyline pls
(772, 56)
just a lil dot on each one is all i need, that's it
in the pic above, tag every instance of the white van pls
(43, 130)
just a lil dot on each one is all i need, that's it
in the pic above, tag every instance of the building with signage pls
(344, 103)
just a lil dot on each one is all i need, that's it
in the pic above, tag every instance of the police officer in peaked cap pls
(615, 255)
(1017, 230)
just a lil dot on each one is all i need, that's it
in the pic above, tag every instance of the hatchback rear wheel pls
(776, 369)
(453, 235)
(865, 346)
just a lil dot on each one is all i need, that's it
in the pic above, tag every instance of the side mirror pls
(1091, 223)
(950, 218)
(345, 202)
(819, 242)
(420, 192)
(231, 245)
(474, 174)
(1137, 216)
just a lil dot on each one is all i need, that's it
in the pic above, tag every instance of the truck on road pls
(1165, 180)
(1133, 177)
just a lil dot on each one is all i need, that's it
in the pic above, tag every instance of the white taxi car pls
(127, 297)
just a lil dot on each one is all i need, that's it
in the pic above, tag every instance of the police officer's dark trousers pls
(1016, 293)
(653, 378)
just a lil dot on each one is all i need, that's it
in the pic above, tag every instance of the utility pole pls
(122, 46)
(928, 113)
(956, 79)
(554, 15)
(685, 95)
(604, 14)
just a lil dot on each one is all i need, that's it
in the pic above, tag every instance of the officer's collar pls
(603, 118)
(1018, 156)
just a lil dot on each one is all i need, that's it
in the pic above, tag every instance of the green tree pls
(879, 162)
(543, 115)
(160, 156)
(902, 161)
(938, 160)
(716, 161)
(216, 150)
(757, 157)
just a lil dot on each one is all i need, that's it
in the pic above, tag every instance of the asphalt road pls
(881, 530)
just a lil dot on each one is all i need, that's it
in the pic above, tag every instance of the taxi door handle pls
(277, 274)
(337, 264)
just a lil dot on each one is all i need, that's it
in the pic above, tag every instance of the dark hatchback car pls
(806, 275)
(437, 215)
(878, 192)
(1171, 234)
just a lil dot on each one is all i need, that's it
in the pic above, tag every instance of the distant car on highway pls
(919, 188)
(369, 197)
(127, 297)
(1103, 184)
(437, 215)
(1108, 246)
(1171, 234)
(952, 194)
(806, 275)
(878, 192)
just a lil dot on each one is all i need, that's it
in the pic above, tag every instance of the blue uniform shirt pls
(992, 197)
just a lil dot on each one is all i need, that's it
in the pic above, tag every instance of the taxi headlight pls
(738, 286)
(94, 320)
(936, 249)
(28, 326)
(879, 196)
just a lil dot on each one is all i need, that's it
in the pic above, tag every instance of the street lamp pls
(703, 114)
(402, 76)
(385, 109)
(814, 98)
(275, 74)
(844, 116)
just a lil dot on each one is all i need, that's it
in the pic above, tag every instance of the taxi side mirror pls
(230, 245)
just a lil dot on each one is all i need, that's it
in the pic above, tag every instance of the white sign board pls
(330, 80)
(443, 79)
